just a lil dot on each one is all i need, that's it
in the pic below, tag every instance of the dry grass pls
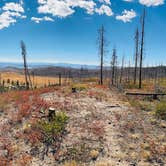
(39, 81)
(147, 85)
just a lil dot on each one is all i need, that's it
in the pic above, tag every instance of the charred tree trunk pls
(129, 72)
(101, 53)
(0, 79)
(142, 49)
(28, 81)
(113, 64)
(25, 64)
(33, 76)
(155, 78)
(121, 70)
(136, 54)
(60, 79)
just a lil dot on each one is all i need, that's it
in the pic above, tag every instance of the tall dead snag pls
(129, 72)
(113, 66)
(136, 54)
(102, 45)
(33, 78)
(121, 70)
(155, 78)
(28, 81)
(0, 78)
(142, 48)
(60, 79)
(116, 72)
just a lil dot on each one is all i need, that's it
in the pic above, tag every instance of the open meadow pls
(38, 81)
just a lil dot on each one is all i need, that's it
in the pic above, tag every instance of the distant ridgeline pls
(150, 72)
(37, 65)
(76, 70)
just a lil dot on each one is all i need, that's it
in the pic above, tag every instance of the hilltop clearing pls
(94, 126)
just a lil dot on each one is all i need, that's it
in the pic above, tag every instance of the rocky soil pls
(103, 129)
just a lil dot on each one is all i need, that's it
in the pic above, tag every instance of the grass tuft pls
(161, 110)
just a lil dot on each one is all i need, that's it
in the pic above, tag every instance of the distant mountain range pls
(18, 65)
(73, 70)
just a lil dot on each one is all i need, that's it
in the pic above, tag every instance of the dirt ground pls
(103, 129)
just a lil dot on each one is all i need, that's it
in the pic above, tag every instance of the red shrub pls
(33, 136)
(97, 128)
(3, 161)
(24, 160)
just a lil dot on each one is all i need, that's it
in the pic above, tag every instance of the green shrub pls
(161, 110)
(53, 129)
(135, 103)
(131, 86)
(80, 87)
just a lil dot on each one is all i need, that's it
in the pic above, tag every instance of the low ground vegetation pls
(94, 126)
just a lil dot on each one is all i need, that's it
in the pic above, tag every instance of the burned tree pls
(102, 46)
(142, 48)
(26, 71)
(60, 79)
(0, 79)
(113, 66)
(121, 70)
(33, 78)
(129, 72)
(136, 54)
(155, 78)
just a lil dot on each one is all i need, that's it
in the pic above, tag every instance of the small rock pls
(135, 136)
(153, 121)
(3, 153)
(34, 151)
(94, 154)
(133, 164)
(163, 124)
(145, 155)
(145, 146)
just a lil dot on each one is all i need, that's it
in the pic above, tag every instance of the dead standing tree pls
(113, 66)
(0, 79)
(28, 81)
(142, 48)
(121, 70)
(102, 46)
(129, 72)
(136, 54)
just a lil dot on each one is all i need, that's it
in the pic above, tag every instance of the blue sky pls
(66, 30)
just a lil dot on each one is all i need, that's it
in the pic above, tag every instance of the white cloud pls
(38, 20)
(10, 12)
(64, 8)
(127, 15)
(128, 0)
(151, 2)
(105, 1)
(21, 2)
(55, 7)
(88, 5)
(23, 17)
(6, 19)
(13, 7)
(104, 10)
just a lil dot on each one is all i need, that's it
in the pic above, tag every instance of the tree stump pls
(155, 97)
(51, 113)
(74, 90)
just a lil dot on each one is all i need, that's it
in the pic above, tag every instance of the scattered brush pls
(161, 110)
